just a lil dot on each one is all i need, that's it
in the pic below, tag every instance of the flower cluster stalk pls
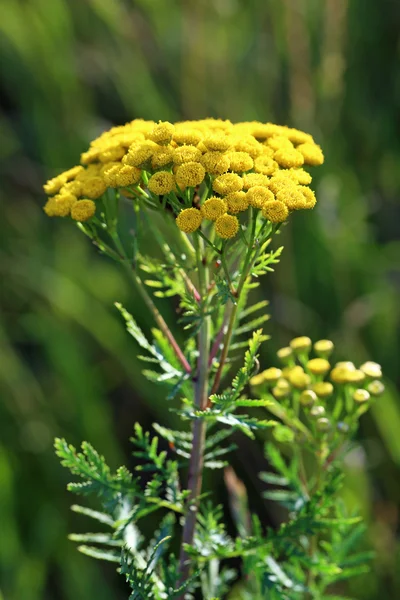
(196, 462)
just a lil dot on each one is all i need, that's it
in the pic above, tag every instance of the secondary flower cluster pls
(206, 170)
(321, 389)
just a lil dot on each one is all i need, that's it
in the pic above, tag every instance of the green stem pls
(233, 308)
(159, 319)
(196, 462)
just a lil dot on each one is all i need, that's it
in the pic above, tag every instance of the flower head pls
(228, 183)
(189, 220)
(213, 208)
(161, 183)
(227, 226)
(275, 211)
(258, 196)
(83, 210)
(237, 202)
(189, 174)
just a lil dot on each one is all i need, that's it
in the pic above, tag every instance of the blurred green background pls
(71, 68)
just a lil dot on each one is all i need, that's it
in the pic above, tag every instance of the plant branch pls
(196, 462)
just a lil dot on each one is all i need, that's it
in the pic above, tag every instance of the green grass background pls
(71, 68)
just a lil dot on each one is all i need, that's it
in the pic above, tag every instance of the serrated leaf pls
(107, 555)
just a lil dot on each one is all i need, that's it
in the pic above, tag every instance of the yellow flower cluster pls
(314, 380)
(250, 164)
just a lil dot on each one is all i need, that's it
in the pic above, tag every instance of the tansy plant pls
(189, 211)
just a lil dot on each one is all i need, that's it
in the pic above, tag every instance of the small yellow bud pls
(323, 389)
(356, 376)
(317, 411)
(282, 389)
(340, 373)
(272, 374)
(376, 388)
(361, 396)
(318, 366)
(301, 344)
(298, 378)
(372, 369)
(323, 424)
(285, 354)
(257, 380)
(323, 348)
(308, 397)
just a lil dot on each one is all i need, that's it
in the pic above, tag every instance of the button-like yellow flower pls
(288, 158)
(227, 183)
(240, 161)
(189, 174)
(253, 179)
(213, 208)
(257, 196)
(185, 154)
(312, 154)
(162, 133)
(275, 211)
(237, 202)
(265, 165)
(162, 156)
(292, 197)
(93, 187)
(217, 142)
(60, 205)
(83, 210)
(161, 183)
(188, 136)
(52, 186)
(215, 163)
(189, 220)
(227, 226)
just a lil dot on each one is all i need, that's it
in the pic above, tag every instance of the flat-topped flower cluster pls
(200, 170)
